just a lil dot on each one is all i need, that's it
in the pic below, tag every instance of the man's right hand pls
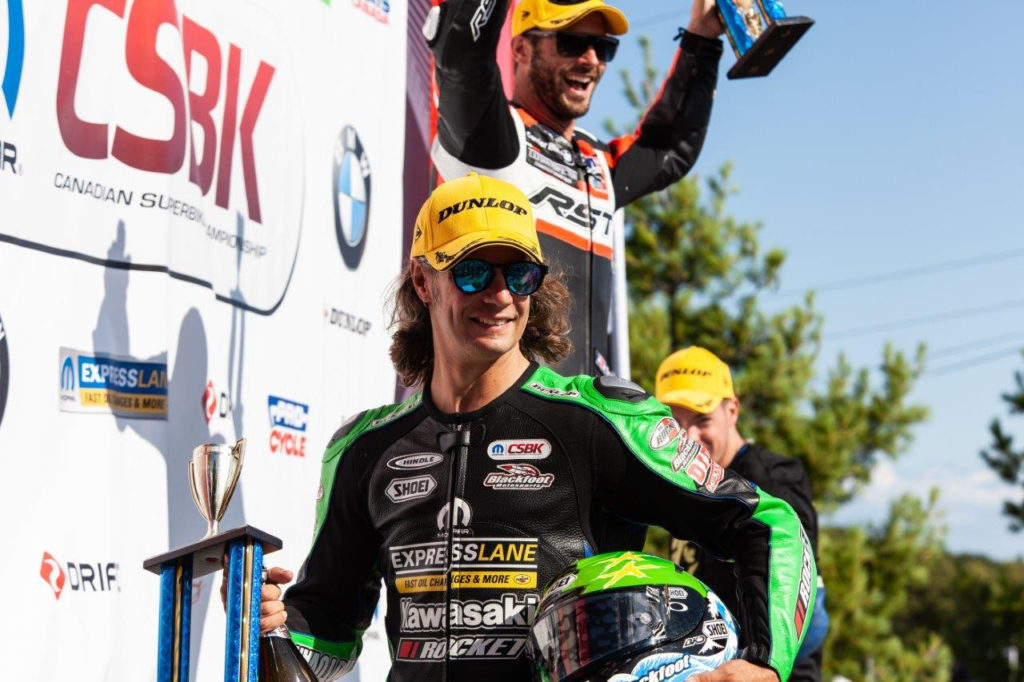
(704, 19)
(272, 613)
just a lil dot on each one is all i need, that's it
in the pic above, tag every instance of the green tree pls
(974, 603)
(1002, 458)
(868, 572)
(696, 275)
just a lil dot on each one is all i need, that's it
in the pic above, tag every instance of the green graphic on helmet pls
(627, 616)
(626, 569)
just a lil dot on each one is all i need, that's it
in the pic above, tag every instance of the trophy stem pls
(212, 528)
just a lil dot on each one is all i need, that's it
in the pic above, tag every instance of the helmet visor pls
(598, 627)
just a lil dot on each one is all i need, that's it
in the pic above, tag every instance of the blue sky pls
(890, 139)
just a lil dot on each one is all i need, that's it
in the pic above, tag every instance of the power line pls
(927, 319)
(656, 18)
(973, 362)
(867, 280)
(975, 345)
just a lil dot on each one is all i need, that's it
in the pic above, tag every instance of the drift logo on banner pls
(5, 368)
(215, 404)
(210, 101)
(97, 576)
(12, 81)
(98, 383)
(351, 196)
(288, 422)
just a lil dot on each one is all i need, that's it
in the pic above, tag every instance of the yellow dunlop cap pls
(694, 378)
(555, 15)
(467, 213)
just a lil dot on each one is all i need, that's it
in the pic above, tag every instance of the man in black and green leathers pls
(469, 496)
(697, 386)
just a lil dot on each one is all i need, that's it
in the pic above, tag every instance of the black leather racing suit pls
(465, 517)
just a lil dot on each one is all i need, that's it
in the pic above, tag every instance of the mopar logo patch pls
(419, 460)
(405, 489)
(536, 448)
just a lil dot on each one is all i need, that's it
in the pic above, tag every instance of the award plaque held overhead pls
(760, 33)
(213, 474)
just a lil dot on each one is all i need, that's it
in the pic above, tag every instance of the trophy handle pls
(239, 450)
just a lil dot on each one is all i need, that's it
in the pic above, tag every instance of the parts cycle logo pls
(288, 422)
(351, 188)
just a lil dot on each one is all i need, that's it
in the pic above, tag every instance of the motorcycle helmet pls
(628, 617)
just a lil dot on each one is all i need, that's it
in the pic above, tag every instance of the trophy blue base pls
(770, 47)
(244, 548)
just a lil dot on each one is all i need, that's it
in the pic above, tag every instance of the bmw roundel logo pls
(351, 196)
(4, 369)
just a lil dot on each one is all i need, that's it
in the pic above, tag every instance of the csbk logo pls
(536, 448)
(242, 104)
(182, 126)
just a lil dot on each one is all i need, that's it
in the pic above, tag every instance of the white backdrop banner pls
(202, 208)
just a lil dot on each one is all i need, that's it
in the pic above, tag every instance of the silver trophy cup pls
(212, 475)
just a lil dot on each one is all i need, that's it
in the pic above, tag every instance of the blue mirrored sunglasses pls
(522, 278)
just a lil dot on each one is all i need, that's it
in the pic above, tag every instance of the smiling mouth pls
(579, 84)
(492, 322)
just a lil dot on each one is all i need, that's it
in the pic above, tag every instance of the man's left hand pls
(704, 19)
(738, 671)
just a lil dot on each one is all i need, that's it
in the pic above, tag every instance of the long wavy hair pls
(412, 344)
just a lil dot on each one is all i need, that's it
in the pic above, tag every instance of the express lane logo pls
(101, 383)
(351, 196)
